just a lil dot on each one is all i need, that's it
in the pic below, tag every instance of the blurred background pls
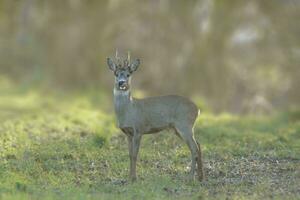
(229, 56)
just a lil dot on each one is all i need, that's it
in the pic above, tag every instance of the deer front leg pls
(129, 139)
(136, 139)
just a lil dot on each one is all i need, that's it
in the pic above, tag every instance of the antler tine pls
(116, 54)
(128, 57)
(117, 57)
(125, 63)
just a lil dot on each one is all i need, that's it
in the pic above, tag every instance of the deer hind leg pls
(186, 133)
(200, 164)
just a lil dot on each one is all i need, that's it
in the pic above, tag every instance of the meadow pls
(237, 60)
(66, 146)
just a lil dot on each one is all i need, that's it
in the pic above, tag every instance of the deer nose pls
(121, 83)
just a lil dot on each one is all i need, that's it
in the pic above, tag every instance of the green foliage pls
(67, 147)
(226, 51)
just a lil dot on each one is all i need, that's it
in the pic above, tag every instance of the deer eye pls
(128, 75)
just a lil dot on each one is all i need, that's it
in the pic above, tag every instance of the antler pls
(128, 57)
(118, 58)
(126, 62)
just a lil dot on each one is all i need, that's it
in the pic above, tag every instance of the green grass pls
(67, 147)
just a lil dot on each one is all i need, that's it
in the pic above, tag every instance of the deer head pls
(123, 70)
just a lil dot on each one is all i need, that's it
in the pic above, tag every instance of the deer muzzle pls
(123, 85)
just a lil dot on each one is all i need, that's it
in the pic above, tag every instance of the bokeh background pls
(229, 56)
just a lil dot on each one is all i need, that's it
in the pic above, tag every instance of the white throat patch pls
(121, 92)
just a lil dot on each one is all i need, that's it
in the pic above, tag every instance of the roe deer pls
(150, 115)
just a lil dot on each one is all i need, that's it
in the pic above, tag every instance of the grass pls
(68, 148)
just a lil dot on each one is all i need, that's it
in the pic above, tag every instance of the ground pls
(67, 147)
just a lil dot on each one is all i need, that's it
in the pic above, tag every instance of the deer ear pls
(134, 65)
(111, 64)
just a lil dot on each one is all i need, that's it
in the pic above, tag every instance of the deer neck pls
(123, 104)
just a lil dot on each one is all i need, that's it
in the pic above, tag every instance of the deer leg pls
(129, 138)
(136, 139)
(200, 163)
(187, 135)
(197, 158)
